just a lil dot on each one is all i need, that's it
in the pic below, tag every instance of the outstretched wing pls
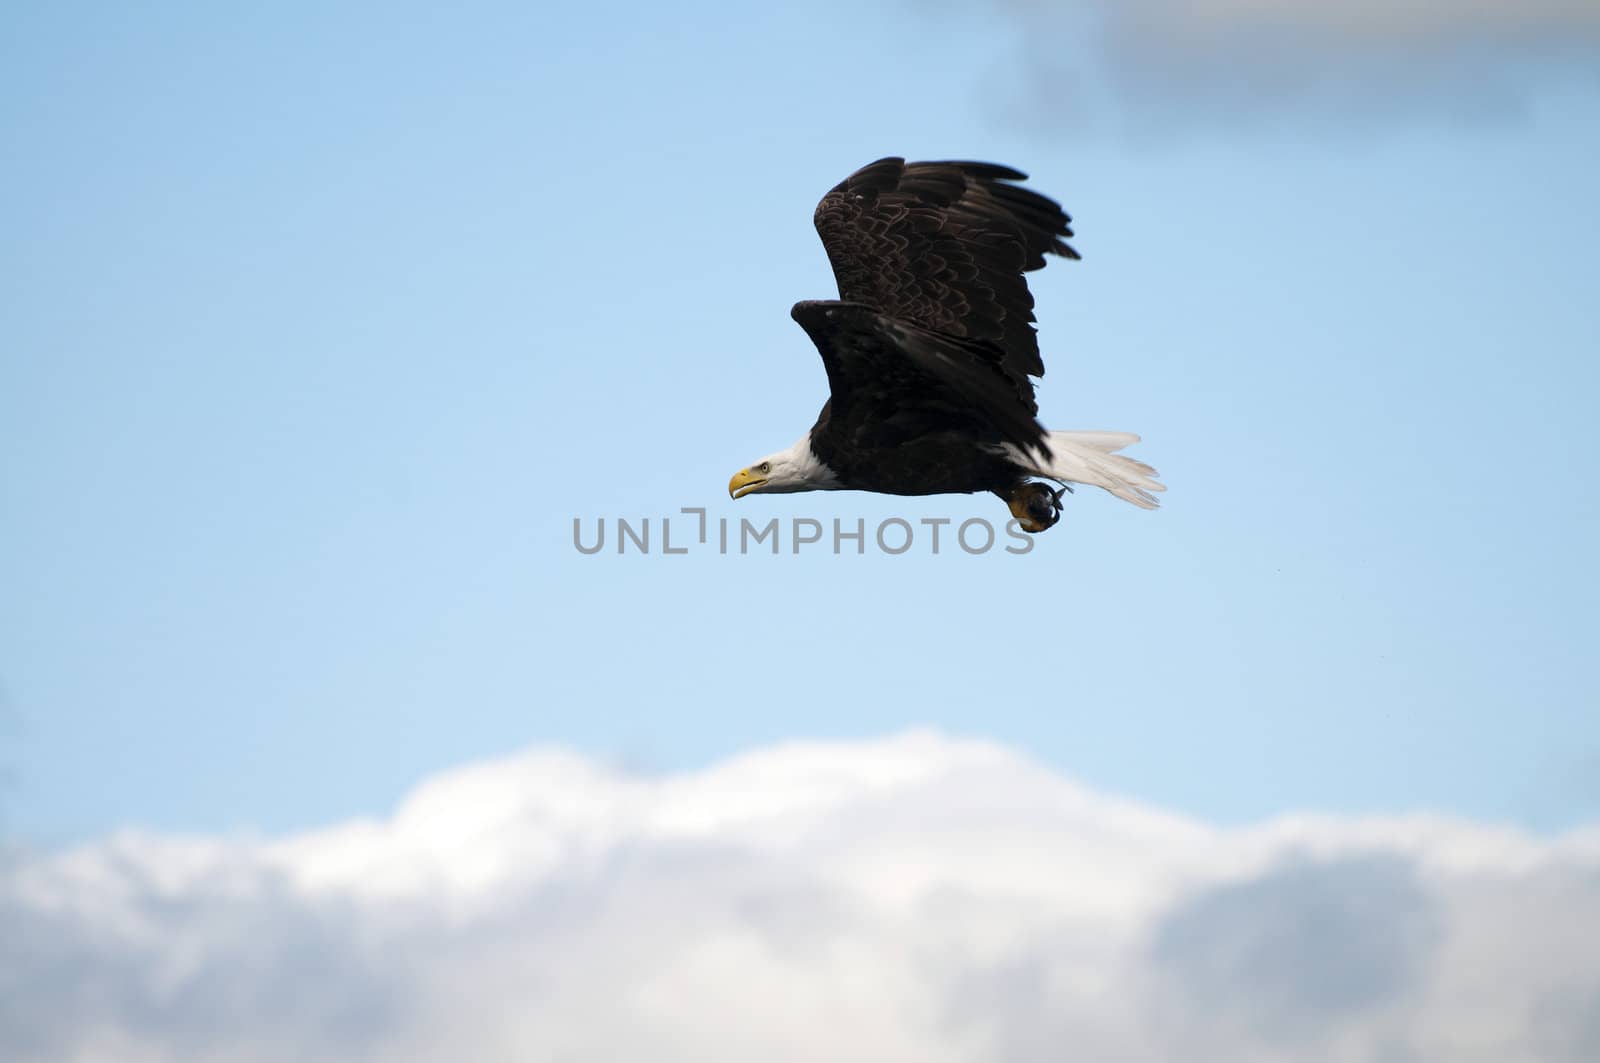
(944, 246)
(882, 370)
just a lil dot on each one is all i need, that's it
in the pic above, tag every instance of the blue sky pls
(318, 328)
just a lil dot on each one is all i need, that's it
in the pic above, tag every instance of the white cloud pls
(918, 899)
(1164, 63)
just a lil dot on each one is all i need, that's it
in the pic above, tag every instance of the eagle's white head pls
(787, 471)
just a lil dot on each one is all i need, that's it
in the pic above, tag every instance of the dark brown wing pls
(881, 370)
(944, 246)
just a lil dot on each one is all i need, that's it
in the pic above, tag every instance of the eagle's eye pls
(764, 468)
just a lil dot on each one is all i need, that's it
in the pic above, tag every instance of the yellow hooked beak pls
(744, 481)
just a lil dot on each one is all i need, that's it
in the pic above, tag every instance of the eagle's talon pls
(1036, 506)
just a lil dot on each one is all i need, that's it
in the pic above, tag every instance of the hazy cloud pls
(1167, 63)
(918, 899)
(1241, 950)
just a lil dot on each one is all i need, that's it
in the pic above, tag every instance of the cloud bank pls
(1164, 63)
(914, 899)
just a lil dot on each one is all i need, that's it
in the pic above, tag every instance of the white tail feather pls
(1091, 458)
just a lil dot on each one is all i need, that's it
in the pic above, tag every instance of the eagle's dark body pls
(930, 348)
(902, 433)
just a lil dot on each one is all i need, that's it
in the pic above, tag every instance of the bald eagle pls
(930, 348)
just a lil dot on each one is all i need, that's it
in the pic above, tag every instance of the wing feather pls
(889, 364)
(944, 246)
